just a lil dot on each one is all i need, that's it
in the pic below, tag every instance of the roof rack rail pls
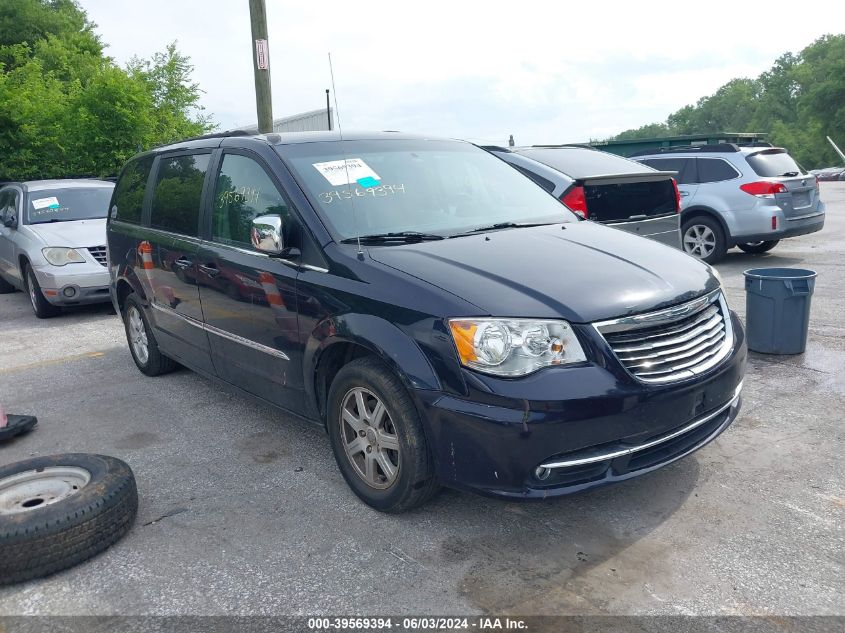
(686, 149)
(756, 144)
(556, 145)
(494, 148)
(205, 136)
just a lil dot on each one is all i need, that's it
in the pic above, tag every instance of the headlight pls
(514, 347)
(59, 256)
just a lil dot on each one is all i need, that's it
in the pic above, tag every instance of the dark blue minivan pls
(444, 317)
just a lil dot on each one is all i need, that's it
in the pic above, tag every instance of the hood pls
(583, 272)
(75, 234)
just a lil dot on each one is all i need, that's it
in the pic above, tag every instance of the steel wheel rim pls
(33, 298)
(138, 335)
(369, 438)
(699, 240)
(35, 489)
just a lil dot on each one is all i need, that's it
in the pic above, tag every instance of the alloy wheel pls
(138, 335)
(369, 438)
(699, 240)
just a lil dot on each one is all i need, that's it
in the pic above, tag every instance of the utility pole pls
(328, 110)
(261, 62)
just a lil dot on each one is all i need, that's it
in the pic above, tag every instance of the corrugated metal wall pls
(313, 121)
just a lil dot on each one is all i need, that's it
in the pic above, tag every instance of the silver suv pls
(750, 197)
(53, 242)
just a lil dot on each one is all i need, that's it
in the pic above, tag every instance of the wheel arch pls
(708, 212)
(340, 339)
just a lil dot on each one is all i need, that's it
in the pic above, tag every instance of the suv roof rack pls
(553, 146)
(687, 149)
(756, 144)
(494, 148)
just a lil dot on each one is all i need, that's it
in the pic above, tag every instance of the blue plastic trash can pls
(777, 309)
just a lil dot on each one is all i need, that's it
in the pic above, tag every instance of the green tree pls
(798, 102)
(66, 109)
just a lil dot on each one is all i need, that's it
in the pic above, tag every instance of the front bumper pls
(577, 428)
(74, 284)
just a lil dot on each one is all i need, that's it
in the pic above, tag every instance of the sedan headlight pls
(61, 255)
(514, 347)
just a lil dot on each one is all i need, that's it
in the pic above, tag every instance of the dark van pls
(445, 319)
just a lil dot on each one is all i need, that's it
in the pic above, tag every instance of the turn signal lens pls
(514, 347)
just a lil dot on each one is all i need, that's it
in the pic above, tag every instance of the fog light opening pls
(542, 473)
(69, 291)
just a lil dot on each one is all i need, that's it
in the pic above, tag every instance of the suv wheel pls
(703, 238)
(142, 342)
(377, 438)
(43, 309)
(758, 247)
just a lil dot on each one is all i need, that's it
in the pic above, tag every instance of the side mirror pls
(10, 222)
(266, 234)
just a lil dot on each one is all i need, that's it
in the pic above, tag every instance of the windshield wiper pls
(504, 225)
(401, 236)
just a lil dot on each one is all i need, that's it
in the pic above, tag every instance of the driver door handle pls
(183, 263)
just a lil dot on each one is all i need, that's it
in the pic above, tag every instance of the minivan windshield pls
(66, 204)
(434, 188)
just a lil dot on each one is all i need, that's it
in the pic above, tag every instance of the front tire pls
(703, 238)
(756, 248)
(43, 309)
(142, 342)
(378, 439)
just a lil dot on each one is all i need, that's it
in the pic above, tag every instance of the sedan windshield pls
(406, 187)
(66, 204)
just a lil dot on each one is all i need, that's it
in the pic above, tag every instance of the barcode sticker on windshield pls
(43, 203)
(346, 172)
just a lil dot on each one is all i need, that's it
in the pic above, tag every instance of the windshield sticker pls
(46, 203)
(346, 172)
(346, 194)
(369, 181)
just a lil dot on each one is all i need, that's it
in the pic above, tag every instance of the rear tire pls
(142, 342)
(703, 238)
(43, 309)
(758, 247)
(413, 480)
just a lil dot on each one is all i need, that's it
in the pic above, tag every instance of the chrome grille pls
(673, 344)
(99, 253)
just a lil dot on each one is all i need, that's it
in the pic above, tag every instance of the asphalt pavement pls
(243, 510)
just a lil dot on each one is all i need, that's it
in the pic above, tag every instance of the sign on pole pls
(262, 59)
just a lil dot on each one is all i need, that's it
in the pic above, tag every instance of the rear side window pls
(243, 192)
(128, 199)
(178, 192)
(715, 170)
(684, 166)
(773, 163)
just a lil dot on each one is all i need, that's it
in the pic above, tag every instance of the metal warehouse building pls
(312, 121)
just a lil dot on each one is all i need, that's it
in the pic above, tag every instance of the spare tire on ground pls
(58, 511)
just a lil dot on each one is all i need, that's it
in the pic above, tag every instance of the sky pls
(546, 72)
